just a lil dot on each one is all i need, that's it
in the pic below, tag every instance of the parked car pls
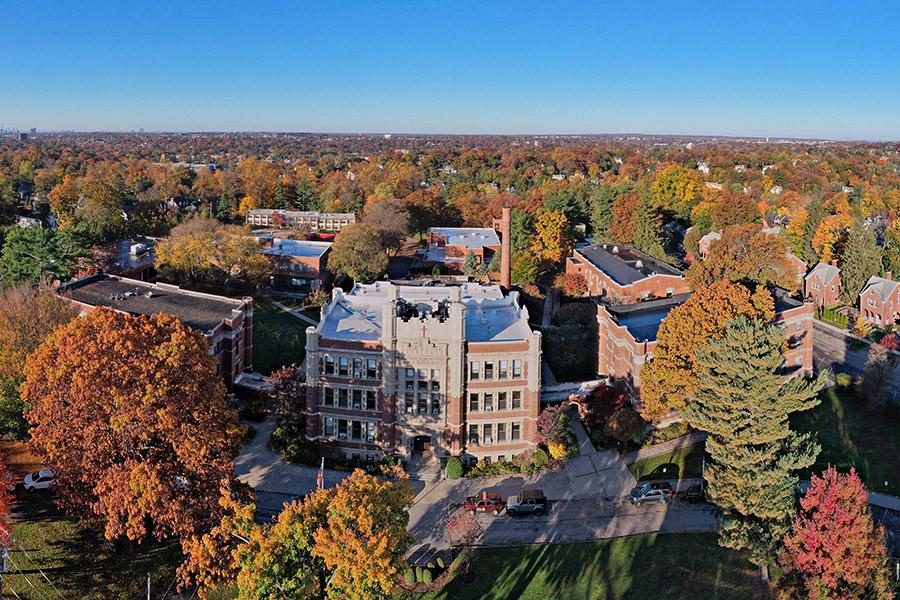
(484, 502)
(39, 480)
(528, 502)
(651, 492)
(695, 493)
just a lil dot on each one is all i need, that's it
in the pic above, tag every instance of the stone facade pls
(271, 217)
(452, 370)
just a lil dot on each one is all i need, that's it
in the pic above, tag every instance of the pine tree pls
(744, 403)
(601, 202)
(860, 260)
(646, 229)
(224, 205)
(280, 195)
(470, 264)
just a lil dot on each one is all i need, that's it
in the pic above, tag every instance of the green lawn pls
(82, 565)
(279, 338)
(852, 435)
(312, 313)
(682, 463)
(665, 566)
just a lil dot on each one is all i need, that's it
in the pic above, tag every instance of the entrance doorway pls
(422, 444)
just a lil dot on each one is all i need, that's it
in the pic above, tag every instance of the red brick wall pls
(824, 296)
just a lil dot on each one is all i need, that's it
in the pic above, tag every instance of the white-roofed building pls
(450, 245)
(441, 370)
(298, 265)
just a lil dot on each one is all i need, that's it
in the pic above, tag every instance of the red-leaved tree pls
(833, 549)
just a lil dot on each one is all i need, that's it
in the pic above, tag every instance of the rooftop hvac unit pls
(137, 249)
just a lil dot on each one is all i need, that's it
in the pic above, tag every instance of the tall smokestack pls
(504, 248)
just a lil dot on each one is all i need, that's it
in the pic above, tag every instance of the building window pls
(342, 429)
(370, 431)
(410, 400)
(357, 399)
(358, 368)
(329, 365)
(501, 400)
(423, 403)
(489, 401)
(488, 433)
(329, 426)
(516, 400)
(355, 430)
(503, 369)
(475, 370)
(488, 370)
(501, 432)
(517, 368)
(342, 397)
(515, 432)
(328, 396)
(473, 402)
(343, 366)
(370, 399)
(435, 404)
(371, 369)
(473, 434)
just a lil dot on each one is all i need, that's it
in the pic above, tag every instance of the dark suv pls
(528, 502)
(484, 502)
(653, 491)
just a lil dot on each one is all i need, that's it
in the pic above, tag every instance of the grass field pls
(853, 435)
(683, 463)
(80, 564)
(278, 338)
(664, 566)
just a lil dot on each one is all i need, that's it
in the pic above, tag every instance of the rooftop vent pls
(615, 250)
(638, 264)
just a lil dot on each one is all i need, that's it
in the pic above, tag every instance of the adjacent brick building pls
(298, 265)
(316, 221)
(450, 245)
(403, 369)
(619, 274)
(879, 301)
(822, 285)
(226, 323)
(627, 337)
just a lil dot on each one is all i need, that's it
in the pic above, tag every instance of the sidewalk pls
(295, 312)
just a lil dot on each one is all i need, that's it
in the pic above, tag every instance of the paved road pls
(831, 351)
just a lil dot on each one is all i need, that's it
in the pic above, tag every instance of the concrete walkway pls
(690, 439)
(296, 312)
(551, 306)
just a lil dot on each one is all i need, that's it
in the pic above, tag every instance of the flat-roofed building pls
(226, 323)
(316, 221)
(450, 245)
(398, 369)
(619, 274)
(627, 336)
(298, 265)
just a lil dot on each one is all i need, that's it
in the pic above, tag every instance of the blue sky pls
(808, 69)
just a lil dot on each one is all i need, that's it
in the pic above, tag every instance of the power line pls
(32, 561)
(12, 590)
(25, 577)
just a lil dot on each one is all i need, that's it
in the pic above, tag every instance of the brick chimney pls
(834, 262)
(889, 275)
(505, 267)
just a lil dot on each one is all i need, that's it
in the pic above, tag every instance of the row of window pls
(502, 370)
(343, 429)
(485, 401)
(350, 398)
(494, 433)
(419, 379)
(418, 403)
(359, 368)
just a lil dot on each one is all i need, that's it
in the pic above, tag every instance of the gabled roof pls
(882, 287)
(825, 271)
(711, 237)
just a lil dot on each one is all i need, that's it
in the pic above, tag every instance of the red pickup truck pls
(484, 502)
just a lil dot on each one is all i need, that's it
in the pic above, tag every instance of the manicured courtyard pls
(665, 566)
(683, 463)
(279, 338)
(854, 435)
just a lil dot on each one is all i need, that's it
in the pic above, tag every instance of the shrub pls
(540, 459)
(598, 406)
(494, 469)
(317, 299)
(844, 380)
(430, 564)
(626, 425)
(558, 450)
(418, 573)
(552, 425)
(440, 562)
(572, 284)
(409, 575)
(427, 577)
(670, 432)
(454, 468)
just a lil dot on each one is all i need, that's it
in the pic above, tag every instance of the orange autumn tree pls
(130, 413)
(668, 380)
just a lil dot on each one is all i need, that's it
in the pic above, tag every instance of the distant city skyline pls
(804, 70)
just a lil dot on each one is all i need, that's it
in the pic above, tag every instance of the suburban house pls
(298, 265)
(706, 241)
(627, 337)
(226, 323)
(823, 285)
(798, 265)
(427, 370)
(449, 246)
(619, 274)
(315, 221)
(879, 301)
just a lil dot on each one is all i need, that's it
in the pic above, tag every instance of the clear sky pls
(806, 69)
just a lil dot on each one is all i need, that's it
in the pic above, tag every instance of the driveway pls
(831, 351)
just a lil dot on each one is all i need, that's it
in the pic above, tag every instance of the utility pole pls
(148, 586)
(3, 567)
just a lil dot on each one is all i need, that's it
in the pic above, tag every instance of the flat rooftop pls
(299, 213)
(198, 311)
(642, 320)
(297, 248)
(126, 261)
(625, 264)
(468, 237)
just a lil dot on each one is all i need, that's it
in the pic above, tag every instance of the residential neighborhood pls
(384, 303)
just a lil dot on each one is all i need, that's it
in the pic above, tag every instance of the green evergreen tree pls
(816, 214)
(280, 201)
(601, 210)
(860, 260)
(305, 198)
(224, 205)
(521, 228)
(744, 402)
(646, 230)
(31, 253)
(470, 264)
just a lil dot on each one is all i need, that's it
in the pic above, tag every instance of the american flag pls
(321, 476)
